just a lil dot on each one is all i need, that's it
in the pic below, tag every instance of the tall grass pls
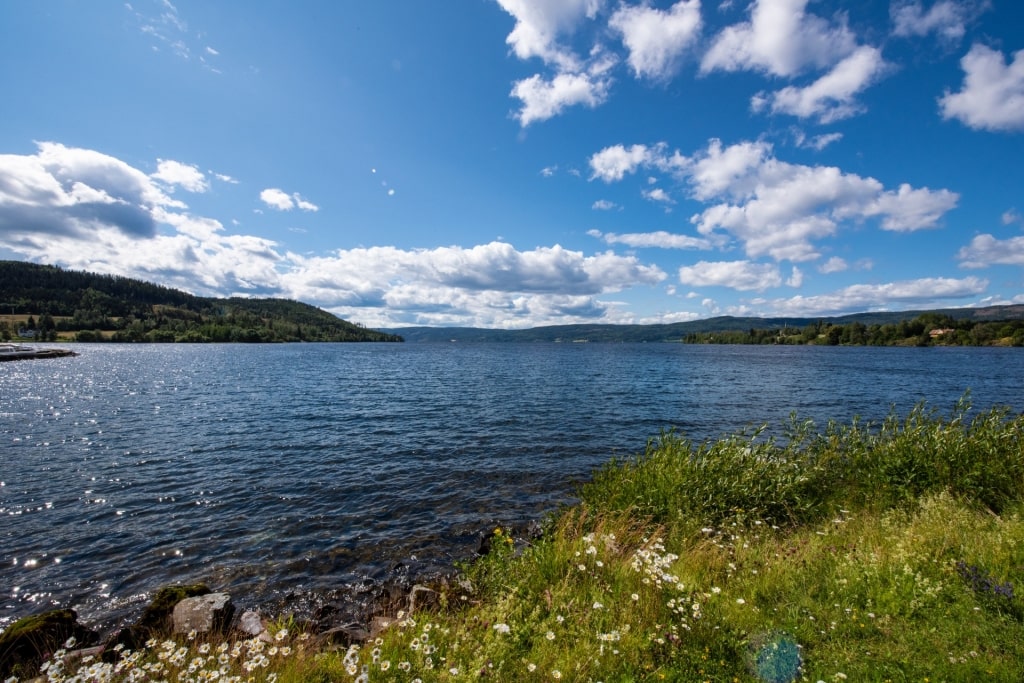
(889, 552)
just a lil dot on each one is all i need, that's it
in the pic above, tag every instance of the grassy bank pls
(888, 552)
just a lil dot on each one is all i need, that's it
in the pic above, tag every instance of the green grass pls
(886, 552)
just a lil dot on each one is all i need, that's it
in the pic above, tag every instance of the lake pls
(276, 471)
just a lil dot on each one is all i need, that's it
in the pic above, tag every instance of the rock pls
(203, 614)
(155, 621)
(30, 641)
(251, 623)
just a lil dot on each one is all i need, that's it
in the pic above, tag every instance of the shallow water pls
(288, 469)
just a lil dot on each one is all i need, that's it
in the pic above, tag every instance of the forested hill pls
(991, 325)
(54, 303)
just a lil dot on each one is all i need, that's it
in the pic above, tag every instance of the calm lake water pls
(288, 470)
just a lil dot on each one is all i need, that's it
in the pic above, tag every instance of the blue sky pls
(514, 163)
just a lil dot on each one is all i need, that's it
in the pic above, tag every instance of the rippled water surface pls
(266, 470)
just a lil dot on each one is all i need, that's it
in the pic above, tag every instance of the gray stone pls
(250, 622)
(203, 614)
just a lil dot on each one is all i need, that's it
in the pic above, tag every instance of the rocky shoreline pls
(351, 615)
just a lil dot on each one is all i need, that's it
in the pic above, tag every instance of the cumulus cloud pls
(772, 207)
(833, 265)
(540, 24)
(490, 285)
(282, 201)
(604, 205)
(741, 275)
(657, 39)
(925, 292)
(945, 18)
(986, 250)
(992, 95)
(86, 210)
(613, 163)
(544, 98)
(833, 96)
(658, 195)
(659, 239)
(71, 191)
(781, 39)
(175, 173)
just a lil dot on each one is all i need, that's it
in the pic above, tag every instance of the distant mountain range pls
(676, 332)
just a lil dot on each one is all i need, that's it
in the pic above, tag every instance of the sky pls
(518, 163)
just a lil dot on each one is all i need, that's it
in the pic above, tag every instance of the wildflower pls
(531, 667)
(550, 635)
(635, 597)
(281, 635)
(70, 643)
(740, 601)
(385, 665)
(598, 605)
(404, 666)
(454, 671)
(556, 674)
(501, 628)
(192, 634)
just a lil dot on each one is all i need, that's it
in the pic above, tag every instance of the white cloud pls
(741, 275)
(86, 210)
(543, 99)
(833, 96)
(549, 171)
(796, 278)
(657, 39)
(909, 209)
(945, 18)
(660, 239)
(776, 208)
(183, 175)
(833, 265)
(780, 39)
(613, 163)
(1011, 216)
(540, 23)
(986, 250)
(992, 95)
(925, 292)
(488, 285)
(71, 191)
(659, 195)
(604, 205)
(818, 142)
(278, 199)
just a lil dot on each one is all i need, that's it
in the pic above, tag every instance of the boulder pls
(203, 614)
(30, 641)
(155, 621)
